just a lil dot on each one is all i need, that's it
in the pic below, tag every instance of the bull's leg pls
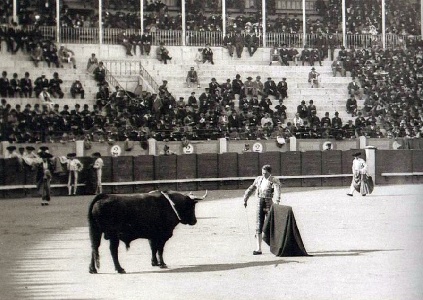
(114, 246)
(160, 248)
(153, 246)
(95, 236)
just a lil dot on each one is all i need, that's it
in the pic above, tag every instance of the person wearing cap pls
(26, 86)
(315, 56)
(270, 88)
(208, 54)
(11, 152)
(98, 169)
(92, 62)
(74, 166)
(283, 88)
(43, 177)
(267, 188)
(313, 78)
(359, 169)
(192, 77)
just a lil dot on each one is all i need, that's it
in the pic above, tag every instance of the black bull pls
(151, 216)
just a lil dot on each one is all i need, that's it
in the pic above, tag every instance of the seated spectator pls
(136, 41)
(313, 78)
(40, 83)
(302, 110)
(26, 86)
(228, 44)
(198, 57)
(50, 55)
(252, 43)
(100, 73)
(284, 55)
(146, 40)
(294, 55)
(275, 55)
(45, 100)
(354, 87)
(337, 66)
(5, 86)
(283, 88)
(92, 62)
(125, 42)
(37, 55)
(258, 87)
(249, 86)
(77, 88)
(315, 56)
(306, 56)
(15, 86)
(208, 54)
(352, 106)
(192, 77)
(270, 88)
(163, 53)
(239, 42)
(66, 55)
(54, 86)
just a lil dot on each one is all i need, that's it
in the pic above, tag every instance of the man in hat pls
(313, 78)
(249, 86)
(98, 170)
(208, 54)
(270, 88)
(192, 77)
(283, 88)
(359, 169)
(275, 55)
(45, 99)
(258, 87)
(252, 43)
(74, 166)
(43, 177)
(266, 186)
(92, 62)
(284, 55)
(163, 53)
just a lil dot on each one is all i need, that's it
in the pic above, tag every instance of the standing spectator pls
(43, 177)
(54, 86)
(74, 166)
(313, 78)
(192, 77)
(270, 88)
(283, 88)
(66, 55)
(125, 42)
(100, 73)
(252, 43)
(208, 54)
(239, 44)
(136, 41)
(26, 86)
(98, 169)
(146, 40)
(228, 44)
(266, 186)
(332, 43)
(5, 87)
(92, 62)
(37, 55)
(77, 88)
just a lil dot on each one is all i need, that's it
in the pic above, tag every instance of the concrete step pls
(64, 101)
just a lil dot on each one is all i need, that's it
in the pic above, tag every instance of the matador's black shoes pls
(257, 252)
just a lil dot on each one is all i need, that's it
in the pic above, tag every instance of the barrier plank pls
(143, 171)
(2, 172)
(417, 162)
(13, 174)
(393, 161)
(331, 165)
(122, 172)
(165, 168)
(248, 165)
(291, 166)
(207, 167)
(273, 159)
(311, 164)
(107, 174)
(228, 167)
(186, 169)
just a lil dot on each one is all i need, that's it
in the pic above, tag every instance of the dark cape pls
(281, 233)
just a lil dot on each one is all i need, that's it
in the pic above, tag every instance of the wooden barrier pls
(311, 164)
(13, 174)
(228, 167)
(144, 171)
(207, 167)
(417, 161)
(248, 165)
(330, 166)
(186, 169)
(165, 168)
(398, 161)
(122, 167)
(107, 174)
(291, 166)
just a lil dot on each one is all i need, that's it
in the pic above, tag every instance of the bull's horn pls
(191, 195)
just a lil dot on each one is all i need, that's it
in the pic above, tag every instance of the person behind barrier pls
(266, 186)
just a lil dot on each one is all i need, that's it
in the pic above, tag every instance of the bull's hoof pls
(163, 266)
(121, 271)
(93, 270)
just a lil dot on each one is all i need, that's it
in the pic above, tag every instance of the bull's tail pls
(95, 234)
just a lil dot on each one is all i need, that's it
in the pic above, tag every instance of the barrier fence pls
(127, 174)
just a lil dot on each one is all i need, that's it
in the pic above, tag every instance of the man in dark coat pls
(270, 88)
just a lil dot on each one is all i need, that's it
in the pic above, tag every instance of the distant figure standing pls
(265, 186)
(74, 167)
(43, 177)
(98, 169)
(359, 170)
(313, 78)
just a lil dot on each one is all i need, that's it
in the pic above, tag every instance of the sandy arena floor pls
(363, 248)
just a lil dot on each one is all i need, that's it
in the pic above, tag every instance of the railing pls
(128, 68)
(214, 38)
